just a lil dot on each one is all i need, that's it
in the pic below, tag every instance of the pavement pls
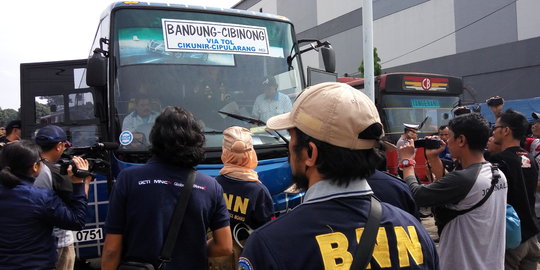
(429, 225)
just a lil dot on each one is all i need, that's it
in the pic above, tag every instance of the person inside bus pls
(271, 102)
(13, 132)
(210, 95)
(240, 181)
(29, 213)
(142, 118)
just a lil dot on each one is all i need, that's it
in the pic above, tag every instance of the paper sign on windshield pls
(199, 36)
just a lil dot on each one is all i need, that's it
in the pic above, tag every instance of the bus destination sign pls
(420, 83)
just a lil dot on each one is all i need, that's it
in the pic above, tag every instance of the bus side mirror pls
(329, 58)
(96, 70)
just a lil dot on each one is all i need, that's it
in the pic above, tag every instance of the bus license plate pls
(89, 235)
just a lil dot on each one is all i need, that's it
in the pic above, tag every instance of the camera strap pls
(495, 176)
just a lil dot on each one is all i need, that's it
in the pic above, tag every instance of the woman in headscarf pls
(248, 200)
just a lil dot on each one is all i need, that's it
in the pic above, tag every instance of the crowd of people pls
(350, 208)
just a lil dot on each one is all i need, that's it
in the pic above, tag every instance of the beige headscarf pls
(239, 157)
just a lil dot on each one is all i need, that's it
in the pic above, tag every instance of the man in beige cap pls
(334, 129)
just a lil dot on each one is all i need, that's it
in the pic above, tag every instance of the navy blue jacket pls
(249, 202)
(141, 207)
(27, 217)
(323, 232)
(392, 190)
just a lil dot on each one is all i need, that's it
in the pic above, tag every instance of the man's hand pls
(81, 164)
(407, 150)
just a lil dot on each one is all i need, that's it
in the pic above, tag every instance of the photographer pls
(475, 234)
(53, 141)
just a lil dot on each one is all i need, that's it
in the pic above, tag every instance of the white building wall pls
(328, 10)
(268, 6)
(528, 19)
(400, 38)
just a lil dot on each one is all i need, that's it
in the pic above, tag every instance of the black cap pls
(13, 124)
(535, 116)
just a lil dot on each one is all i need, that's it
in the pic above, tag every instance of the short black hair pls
(474, 127)
(177, 137)
(341, 165)
(516, 122)
(16, 160)
(443, 127)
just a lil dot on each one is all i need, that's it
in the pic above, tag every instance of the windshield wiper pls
(254, 121)
(212, 131)
(247, 119)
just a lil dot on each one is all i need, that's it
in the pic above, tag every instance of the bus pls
(412, 98)
(212, 61)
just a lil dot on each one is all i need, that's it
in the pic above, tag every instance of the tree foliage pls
(8, 115)
(377, 65)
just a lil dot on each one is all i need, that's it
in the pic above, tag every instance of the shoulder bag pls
(172, 234)
(364, 251)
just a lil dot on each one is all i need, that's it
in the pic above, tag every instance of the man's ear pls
(312, 154)
(462, 140)
(35, 169)
(58, 146)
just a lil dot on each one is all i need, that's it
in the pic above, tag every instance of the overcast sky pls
(40, 31)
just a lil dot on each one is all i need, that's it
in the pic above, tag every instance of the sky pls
(41, 31)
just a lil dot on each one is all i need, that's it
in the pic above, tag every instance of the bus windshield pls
(205, 63)
(413, 109)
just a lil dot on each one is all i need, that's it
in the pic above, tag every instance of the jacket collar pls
(325, 190)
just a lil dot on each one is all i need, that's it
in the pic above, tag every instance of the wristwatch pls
(406, 163)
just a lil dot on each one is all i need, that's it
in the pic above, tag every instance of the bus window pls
(81, 106)
(49, 109)
(413, 109)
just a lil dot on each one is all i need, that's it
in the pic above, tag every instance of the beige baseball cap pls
(331, 112)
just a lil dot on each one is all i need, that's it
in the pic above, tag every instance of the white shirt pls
(135, 123)
(476, 240)
(264, 108)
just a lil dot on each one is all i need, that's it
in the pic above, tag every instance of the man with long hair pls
(144, 198)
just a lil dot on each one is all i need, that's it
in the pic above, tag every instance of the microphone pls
(105, 146)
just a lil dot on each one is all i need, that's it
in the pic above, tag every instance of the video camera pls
(427, 143)
(95, 155)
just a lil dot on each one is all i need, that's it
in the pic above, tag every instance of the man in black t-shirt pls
(144, 197)
(522, 175)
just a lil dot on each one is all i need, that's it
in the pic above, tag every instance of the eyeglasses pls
(42, 160)
(496, 127)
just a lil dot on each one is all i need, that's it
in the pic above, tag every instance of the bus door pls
(56, 93)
